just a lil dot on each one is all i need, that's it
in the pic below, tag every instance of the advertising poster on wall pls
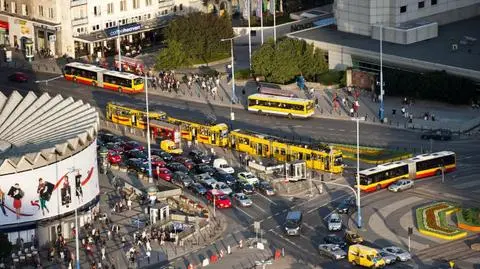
(51, 190)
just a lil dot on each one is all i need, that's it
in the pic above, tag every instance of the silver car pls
(332, 251)
(387, 257)
(402, 184)
(400, 254)
(242, 199)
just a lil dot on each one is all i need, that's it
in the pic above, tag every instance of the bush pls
(242, 73)
(471, 216)
(331, 77)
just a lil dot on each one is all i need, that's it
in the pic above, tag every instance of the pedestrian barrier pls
(205, 262)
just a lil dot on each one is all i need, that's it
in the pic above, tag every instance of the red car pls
(162, 173)
(221, 200)
(185, 161)
(18, 77)
(129, 145)
(113, 157)
(157, 161)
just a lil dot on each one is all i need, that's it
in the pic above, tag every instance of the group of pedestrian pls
(207, 83)
(164, 81)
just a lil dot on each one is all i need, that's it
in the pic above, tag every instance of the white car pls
(222, 165)
(387, 257)
(402, 184)
(223, 187)
(242, 199)
(399, 253)
(332, 250)
(205, 179)
(248, 177)
(334, 222)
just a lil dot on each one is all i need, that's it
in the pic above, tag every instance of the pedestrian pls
(433, 117)
(316, 102)
(148, 256)
(129, 204)
(148, 246)
(403, 111)
(109, 234)
(103, 253)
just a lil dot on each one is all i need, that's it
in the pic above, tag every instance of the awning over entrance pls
(126, 29)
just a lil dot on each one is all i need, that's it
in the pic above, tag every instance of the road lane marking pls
(341, 130)
(261, 209)
(331, 129)
(305, 237)
(243, 211)
(339, 197)
(266, 198)
(309, 227)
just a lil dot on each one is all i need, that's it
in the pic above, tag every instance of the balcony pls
(79, 21)
(165, 3)
(75, 3)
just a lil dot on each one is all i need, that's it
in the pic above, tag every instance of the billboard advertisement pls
(52, 190)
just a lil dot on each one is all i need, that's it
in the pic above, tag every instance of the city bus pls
(135, 117)
(212, 134)
(281, 105)
(99, 77)
(260, 145)
(421, 166)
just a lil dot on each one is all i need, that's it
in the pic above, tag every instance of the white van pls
(222, 165)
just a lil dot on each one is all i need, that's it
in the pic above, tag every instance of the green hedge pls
(331, 77)
(469, 216)
(242, 73)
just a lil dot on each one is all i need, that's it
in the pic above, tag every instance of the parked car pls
(222, 165)
(110, 138)
(206, 180)
(129, 145)
(334, 222)
(248, 177)
(18, 77)
(174, 167)
(242, 200)
(199, 157)
(265, 188)
(439, 134)
(135, 164)
(244, 187)
(332, 251)
(399, 253)
(163, 173)
(353, 238)
(181, 179)
(401, 185)
(387, 257)
(112, 146)
(335, 239)
(224, 177)
(167, 157)
(185, 161)
(197, 188)
(113, 157)
(218, 198)
(203, 168)
(157, 161)
(345, 205)
(223, 187)
(135, 153)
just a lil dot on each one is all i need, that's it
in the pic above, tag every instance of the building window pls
(109, 8)
(14, 7)
(50, 13)
(148, 2)
(96, 27)
(434, 2)
(136, 4)
(403, 9)
(24, 10)
(40, 11)
(123, 5)
(96, 11)
(180, 6)
(421, 4)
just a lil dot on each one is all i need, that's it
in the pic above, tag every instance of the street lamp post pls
(249, 36)
(381, 112)
(77, 247)
(274, 22)
(150, 178)
(233, 68)
(359, 213)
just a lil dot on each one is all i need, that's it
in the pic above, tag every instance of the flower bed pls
(432, 221)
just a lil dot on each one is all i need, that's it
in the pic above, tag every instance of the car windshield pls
(242, 197)
(335, 220)
(354, 236)
(222, 197)
(291, 224)
(249, 176)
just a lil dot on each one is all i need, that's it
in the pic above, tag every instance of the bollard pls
(240, 244)
(229, 250)
(277, 254)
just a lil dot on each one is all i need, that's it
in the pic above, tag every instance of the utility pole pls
(382, 109)
(119, 45)
(274, 22)
(249, 35)
(149, 155)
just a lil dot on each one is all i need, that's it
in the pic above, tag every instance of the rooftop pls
(36, 131)
(466, 34)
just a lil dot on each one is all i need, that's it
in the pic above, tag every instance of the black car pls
(203, 168)
(137, 165)
(110, 138)
(439, 134)
(198, 156)
(135, 153)
(228, 179)
(181, 179)
(167, 157)
(334, 239)
(265, 188)
(177, 167)
(244, 187)
(345, 205)
(197, 188)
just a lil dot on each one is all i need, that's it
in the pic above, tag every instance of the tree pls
(172, 57)
(5, 246)
(198, 35)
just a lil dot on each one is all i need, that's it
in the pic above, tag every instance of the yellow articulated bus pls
(281, 105)
(215, 134)
(135, 117)
(260, 145)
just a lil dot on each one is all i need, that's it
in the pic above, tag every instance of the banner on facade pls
(123, 29)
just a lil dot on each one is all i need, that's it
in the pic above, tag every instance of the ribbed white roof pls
(36, 131)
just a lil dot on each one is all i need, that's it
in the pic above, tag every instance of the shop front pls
(4, 41)
(46, 43)
(20, 31)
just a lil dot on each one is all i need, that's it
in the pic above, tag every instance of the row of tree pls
(288, 58)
